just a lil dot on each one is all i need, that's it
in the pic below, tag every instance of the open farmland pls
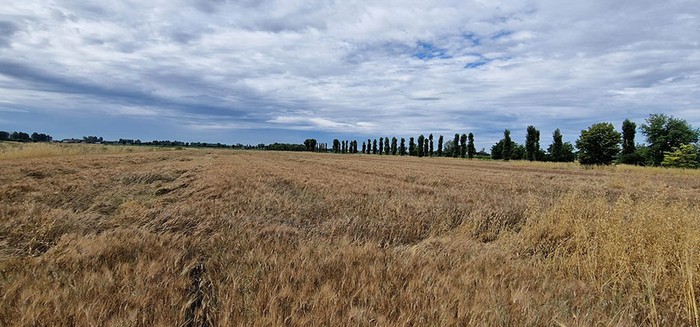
(198, 237)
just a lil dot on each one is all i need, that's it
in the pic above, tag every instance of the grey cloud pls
(7, 30)
(358, 68)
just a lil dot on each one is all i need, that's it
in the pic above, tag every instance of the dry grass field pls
(220, 237)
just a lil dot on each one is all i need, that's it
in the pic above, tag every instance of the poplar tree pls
(374, 146)
(402, 149)
(532, 143)
(439, 149)
(629, 128)
(463, 146)
(507, 146)
(421, 140)
(387, 150)
(471, 150)
(455, 146)
(364, 147)
(393, 146)
(430, 137)
(369, 146)
(411, 147)
(381, 145)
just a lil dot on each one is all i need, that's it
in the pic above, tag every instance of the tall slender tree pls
(393, 145)
(426, 147)
(629, 128)
(386, 146)
(411, 147)
(369, 146)
(455, 146)
(463, 146)
(532, 143)
(507, 146)
(471, 150)
(439, 149)
(430, 138)
(402, 148)
(374, 146)
(381, 145)
(336, 146)
(421, 140)
(557, 147)
(364, 147)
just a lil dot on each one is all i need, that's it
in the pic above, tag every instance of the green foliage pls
(431, 150)
(559, 151)
(517, 151)
(387, 150)
(629, 129)
(336, 146)
(381, 145)
(471, 150)
(599, 144)
(286, 147)
(364, 147)
(685, 156)
(421, 140)
(411, 147)
(374, 146)
(4, 136)
(666, 133)
(463, 146)
(393, 146)
(455, 146)
(369, 146)
(439, 149)
(532, 143)
(310, 144)
(402, 148)
(507, 146)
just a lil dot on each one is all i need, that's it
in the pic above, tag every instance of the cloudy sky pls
(255, 71)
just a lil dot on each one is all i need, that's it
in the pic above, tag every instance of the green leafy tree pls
(387, 150)
(555, 149)
(666, 133)
(374, 146)
(336, 146)
(411, 147)
(532, 143)
(430, 138)
(310, 144)
(381, 145)
(4, 136)
(599, 144)
(455, 146)
(629, 129)
(463, 146)
(439, 149)
(471, 150)
(560, 151)
(685, 156)
(364, 147)
(402, 149)
(507, 145)
(393, 146)
(629, 154)
(421, 141)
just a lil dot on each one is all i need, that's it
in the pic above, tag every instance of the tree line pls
(24, 137)
(670, 142)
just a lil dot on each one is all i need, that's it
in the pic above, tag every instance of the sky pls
(263, 71)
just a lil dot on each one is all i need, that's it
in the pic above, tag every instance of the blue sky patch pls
(427, 51)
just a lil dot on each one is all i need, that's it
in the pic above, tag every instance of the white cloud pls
(389, 67)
